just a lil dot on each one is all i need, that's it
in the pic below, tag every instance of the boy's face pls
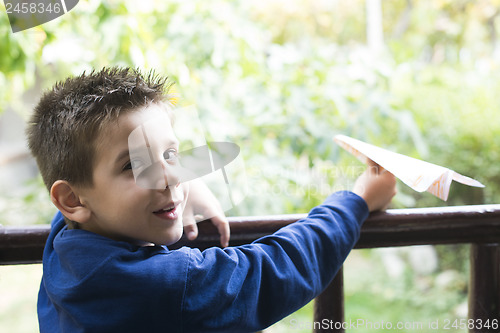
(120, 208)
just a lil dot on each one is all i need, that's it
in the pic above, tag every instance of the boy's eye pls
(170, 155)
(134, 164)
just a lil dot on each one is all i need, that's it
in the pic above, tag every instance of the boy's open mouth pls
(169, 213)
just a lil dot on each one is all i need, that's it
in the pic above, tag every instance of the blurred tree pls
(280, 78)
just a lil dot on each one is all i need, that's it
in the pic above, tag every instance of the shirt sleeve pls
(247, 288)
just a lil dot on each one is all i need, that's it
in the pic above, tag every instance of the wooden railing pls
(477, 225)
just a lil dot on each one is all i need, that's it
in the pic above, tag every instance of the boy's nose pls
(170, 176)
(160, 175)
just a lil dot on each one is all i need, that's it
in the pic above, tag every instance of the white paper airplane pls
(417, 174)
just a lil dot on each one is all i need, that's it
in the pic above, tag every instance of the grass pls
(18, 289)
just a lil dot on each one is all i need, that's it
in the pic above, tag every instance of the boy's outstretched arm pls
(247, 288)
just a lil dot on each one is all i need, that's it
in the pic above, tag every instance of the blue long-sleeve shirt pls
(94, 284)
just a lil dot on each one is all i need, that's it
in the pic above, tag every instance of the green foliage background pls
(281, 78)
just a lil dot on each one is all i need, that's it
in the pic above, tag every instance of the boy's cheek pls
(185, 190)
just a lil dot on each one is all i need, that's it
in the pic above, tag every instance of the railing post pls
(329, 306)
(484, 288)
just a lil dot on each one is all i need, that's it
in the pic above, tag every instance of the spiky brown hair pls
(68, 119)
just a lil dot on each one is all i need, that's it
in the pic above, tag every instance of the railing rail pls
(477, 225)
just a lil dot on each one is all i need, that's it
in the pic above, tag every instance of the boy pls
(108, 268)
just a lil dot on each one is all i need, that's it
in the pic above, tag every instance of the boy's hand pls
(201, 202)
(377, 186)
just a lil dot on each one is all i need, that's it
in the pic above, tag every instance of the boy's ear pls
(66, 199)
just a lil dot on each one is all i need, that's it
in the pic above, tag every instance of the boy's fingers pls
(222, 225)
(375, 167)
(191, 229)
(218, 218)
(189, 221)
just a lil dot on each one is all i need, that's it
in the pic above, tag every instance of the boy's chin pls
(176, 233)
(172, 240)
